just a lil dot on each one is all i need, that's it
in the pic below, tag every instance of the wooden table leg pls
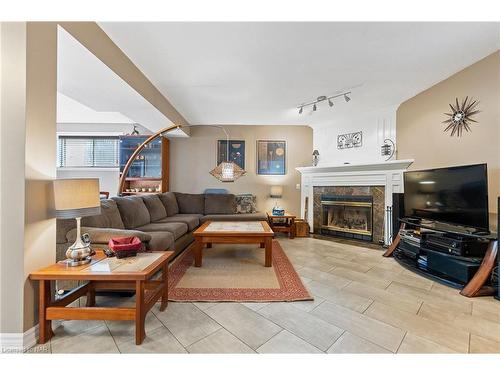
(262, 245)
(44, 299)
(292, 228)
(140, 312)
(209, 245)
(394, 243)
(473, 287)
(198, 248)
(269, 252)
(90, 295)
(164, 296)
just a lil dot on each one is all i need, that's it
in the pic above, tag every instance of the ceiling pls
(83, 78)
(257, 73)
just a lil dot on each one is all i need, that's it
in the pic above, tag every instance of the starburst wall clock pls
(460, 117)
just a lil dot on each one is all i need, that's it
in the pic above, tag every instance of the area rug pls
(235, 273)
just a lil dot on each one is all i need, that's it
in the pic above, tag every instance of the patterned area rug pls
(235, 273)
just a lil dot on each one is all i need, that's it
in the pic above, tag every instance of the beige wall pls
(192, 158)
(420, 130)
(12, 155)
(40, 168)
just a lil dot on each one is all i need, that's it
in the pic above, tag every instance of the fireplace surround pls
(386, 177)
(347, 216)
(362, 200)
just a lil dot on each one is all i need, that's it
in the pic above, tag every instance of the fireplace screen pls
(347, 214)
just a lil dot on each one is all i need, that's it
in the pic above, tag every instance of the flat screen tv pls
(454, 195)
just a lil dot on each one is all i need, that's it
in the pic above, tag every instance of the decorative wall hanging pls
(461, 116)
(236, 152)
(350, 140)
(271, 157)
(315, 158)
(388, 149)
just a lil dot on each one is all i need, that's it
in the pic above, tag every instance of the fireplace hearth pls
(349, 216)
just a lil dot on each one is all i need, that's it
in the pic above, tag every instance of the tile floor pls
(364, 303)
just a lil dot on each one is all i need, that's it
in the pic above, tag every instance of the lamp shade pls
(76, 197)
(276, 191)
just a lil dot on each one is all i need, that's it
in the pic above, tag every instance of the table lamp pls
(277, 192)
(75, 198)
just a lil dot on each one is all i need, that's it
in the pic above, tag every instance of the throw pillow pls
(246, 203)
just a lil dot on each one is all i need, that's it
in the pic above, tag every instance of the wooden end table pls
(285, 225)
(233, 232)
(103, 273)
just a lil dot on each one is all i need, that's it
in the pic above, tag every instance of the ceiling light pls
(323, 98)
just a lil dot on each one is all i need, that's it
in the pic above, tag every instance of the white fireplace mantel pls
(388, 174)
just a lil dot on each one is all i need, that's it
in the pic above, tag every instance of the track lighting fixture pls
(323, 98)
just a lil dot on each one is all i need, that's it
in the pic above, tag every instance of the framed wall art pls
(271, 157)
(236, 152)
(350, 140)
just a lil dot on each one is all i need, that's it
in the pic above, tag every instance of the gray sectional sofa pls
(162, 221)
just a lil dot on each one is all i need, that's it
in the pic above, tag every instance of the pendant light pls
(227, 171)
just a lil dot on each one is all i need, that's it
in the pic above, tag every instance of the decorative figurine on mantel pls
(315, 158)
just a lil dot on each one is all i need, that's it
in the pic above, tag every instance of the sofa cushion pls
(133, 211)
(103, 235)
(108, 218)
(246, 203)
(155, 207)
(170, 202)
(192, 220)
(177, 229)
(219, 204)
(257, 216)
(191, 203)
(160, 241)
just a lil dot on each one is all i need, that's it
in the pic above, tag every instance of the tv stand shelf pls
(478, 284)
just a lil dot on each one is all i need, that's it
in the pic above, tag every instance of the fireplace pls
(349, 216)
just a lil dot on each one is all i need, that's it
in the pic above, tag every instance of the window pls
(87, 151)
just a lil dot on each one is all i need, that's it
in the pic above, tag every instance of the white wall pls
(72, 111)
(108, 177)
(376, 126)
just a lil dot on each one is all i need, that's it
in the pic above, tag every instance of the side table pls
(282, 223)
(134, 273)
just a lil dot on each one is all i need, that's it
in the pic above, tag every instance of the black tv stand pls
(478, 284)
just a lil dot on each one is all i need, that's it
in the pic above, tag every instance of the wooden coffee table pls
(233, 232)
(102, 273)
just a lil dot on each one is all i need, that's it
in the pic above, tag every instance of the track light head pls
(301, 110)
(330, 103)
(314, 107)
(346, 98)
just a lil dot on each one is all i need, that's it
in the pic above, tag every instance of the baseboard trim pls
(21, 342)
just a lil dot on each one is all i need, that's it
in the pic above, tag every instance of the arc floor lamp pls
(226, 171)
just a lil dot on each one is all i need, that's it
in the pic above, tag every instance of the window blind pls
(80, 151)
